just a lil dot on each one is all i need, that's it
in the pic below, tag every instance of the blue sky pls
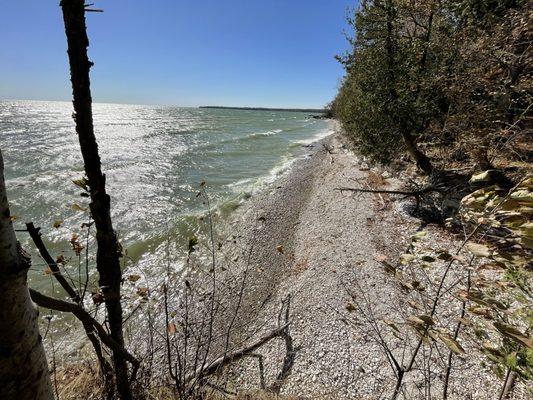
(276, 53)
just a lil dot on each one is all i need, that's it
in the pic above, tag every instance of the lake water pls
(154, 158)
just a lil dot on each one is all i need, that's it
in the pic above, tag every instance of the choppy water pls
(154, 158)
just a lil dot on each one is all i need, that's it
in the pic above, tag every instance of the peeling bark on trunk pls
(108, 253)
(24, 373)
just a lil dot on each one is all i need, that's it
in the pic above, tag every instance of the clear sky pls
(276, 53)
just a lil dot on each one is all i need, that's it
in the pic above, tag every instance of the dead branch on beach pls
(204, 323)
(434, 305)
(416, 193)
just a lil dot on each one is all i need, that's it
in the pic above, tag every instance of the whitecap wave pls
(267, 133)
(315, 138)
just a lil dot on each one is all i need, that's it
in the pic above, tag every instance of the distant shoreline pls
(308, 110)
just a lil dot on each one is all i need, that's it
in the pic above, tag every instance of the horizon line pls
(173, 105)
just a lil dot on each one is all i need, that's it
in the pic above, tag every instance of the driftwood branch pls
(290, 354)
(261, 364)
(222, 361)
(415, 193)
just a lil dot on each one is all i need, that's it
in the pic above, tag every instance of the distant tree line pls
(455, 74)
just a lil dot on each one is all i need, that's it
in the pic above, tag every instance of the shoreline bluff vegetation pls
(392, 261)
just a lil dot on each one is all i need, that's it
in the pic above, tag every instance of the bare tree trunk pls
(24, 373)
(421, 160)
(108, 253)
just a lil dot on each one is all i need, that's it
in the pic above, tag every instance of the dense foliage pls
(450, 79)
(450, 83)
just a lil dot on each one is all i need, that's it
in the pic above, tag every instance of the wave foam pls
(316, 137)
(267, 133)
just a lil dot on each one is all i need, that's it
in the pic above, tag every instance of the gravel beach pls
(325, 248)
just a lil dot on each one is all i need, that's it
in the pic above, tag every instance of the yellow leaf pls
(478, 250)
(482, 177)
(419, 235)
(77, 207)
(82, 183)
(58, 223)
(406, 258)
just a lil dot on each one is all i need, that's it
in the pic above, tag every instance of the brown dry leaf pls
(491, 266)
(142, 291)
(98, 297)
(301, 266)
(134, 278)
(171, 328)
(391, 324)
(414, 304)
(58, 223)
(514, 333)
(279, 248)
(380, 257)
(451, 343)
(350, 307)
(423, 320)
(465, 321)
(76, 246)
(483, 311)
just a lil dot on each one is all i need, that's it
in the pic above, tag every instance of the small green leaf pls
(193, 242)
